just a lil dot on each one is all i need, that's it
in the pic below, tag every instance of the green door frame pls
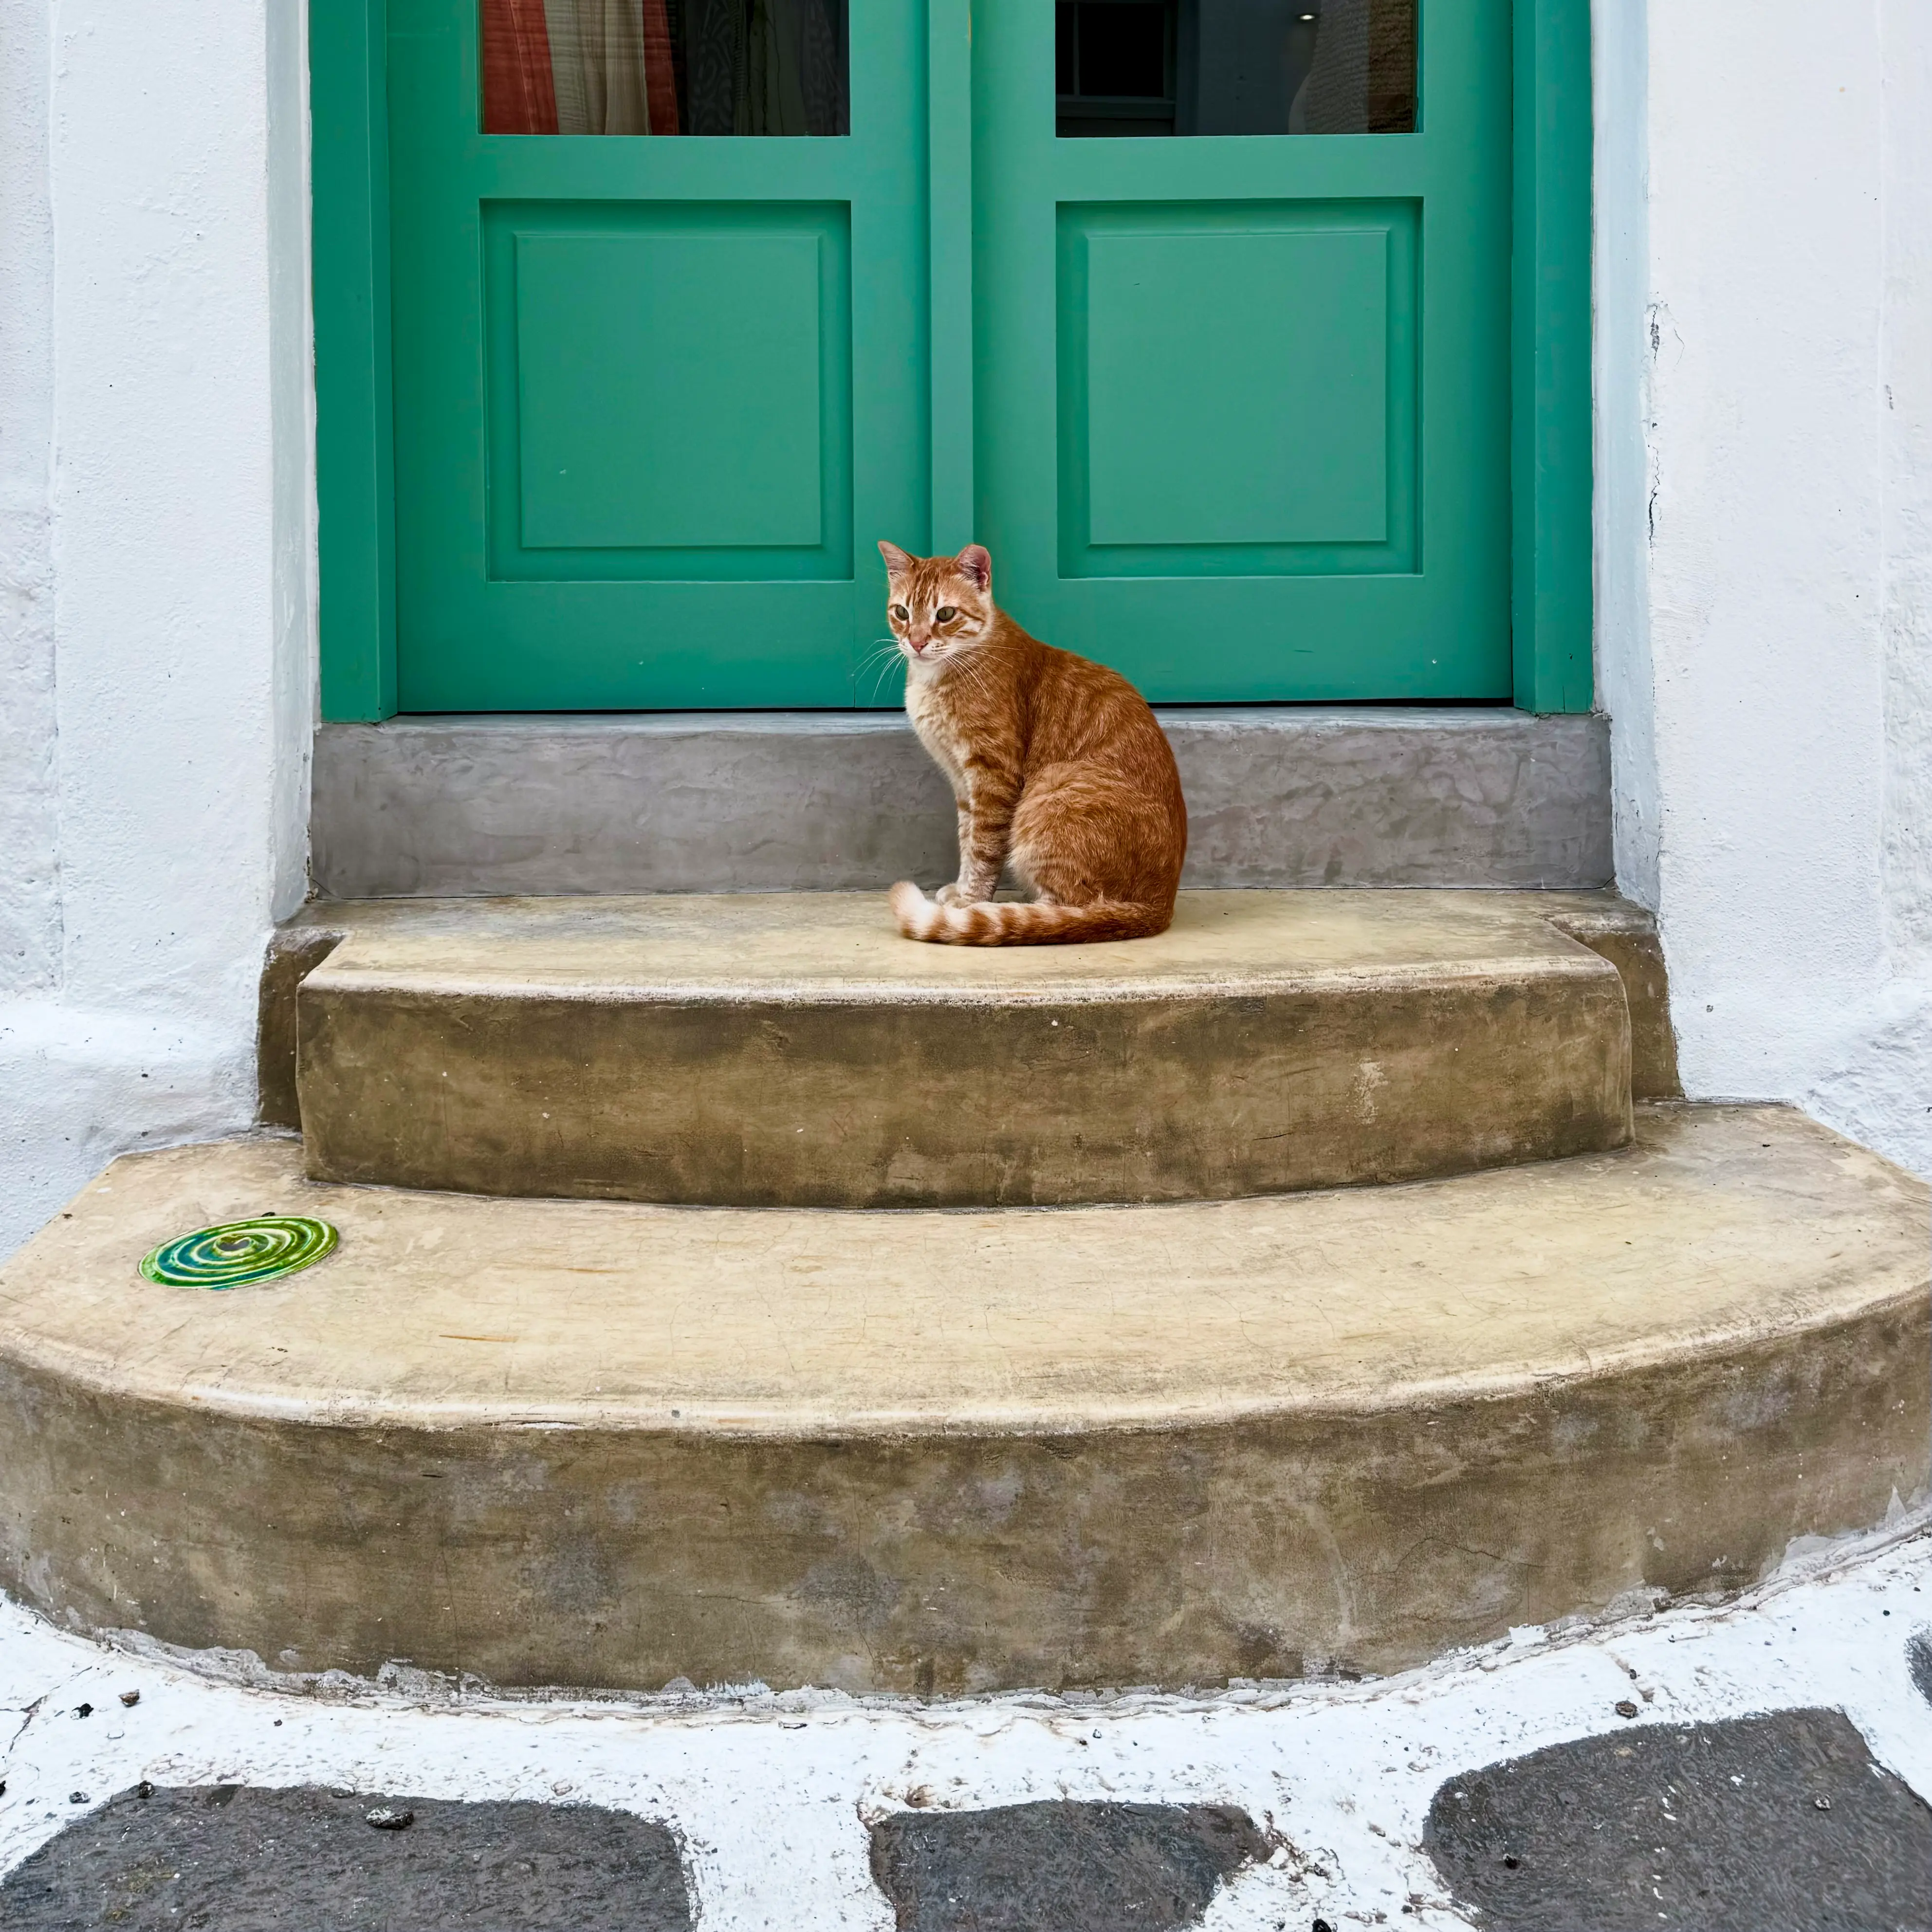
(1551, 470)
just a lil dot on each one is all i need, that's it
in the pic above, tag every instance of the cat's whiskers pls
(879, 661)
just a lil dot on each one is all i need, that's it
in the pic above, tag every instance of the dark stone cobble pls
(234, 1857)
(1781, 1823)
(1058, 1866)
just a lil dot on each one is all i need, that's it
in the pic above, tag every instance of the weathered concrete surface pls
(1058, 1866)
(1627, 936)
(1785, 1820)
(238, 1857)
(1624, 934)
(599, 1443)
(792, 1050)
(838, 801)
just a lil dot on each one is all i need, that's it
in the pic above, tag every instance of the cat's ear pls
(974, 562)
(897, 562)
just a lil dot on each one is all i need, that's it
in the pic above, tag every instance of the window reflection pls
(665, 67)
(1235, 67)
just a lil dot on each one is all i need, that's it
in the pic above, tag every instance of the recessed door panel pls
(670, 390)
(1237, 388)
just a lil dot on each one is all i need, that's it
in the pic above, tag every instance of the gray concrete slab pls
(1058, 1866)
(806, 801)
(1784, 1822)
(229, 1858)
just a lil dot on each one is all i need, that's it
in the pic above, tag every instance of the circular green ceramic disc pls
(239, 1253)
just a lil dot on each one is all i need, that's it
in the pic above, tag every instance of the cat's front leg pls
(955, 892)
(985, 825)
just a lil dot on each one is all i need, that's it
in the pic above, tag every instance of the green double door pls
(1195, 311)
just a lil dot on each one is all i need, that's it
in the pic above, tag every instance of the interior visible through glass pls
(665, 67)
(1235, 67)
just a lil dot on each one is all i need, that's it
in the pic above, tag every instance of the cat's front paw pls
(953, 895)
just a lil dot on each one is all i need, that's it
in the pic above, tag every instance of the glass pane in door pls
(1235, 67)
(666, 66)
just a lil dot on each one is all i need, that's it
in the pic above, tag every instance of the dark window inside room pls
(1113, 63)
(1235, 67)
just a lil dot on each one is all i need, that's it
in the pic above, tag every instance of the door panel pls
(649, 391)
(1244, 405)
(670, 390)
(1233, 461)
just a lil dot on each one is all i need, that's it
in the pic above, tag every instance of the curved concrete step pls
(792, 1050)
(611, 1443)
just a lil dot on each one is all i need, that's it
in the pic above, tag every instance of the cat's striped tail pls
(1026, 922)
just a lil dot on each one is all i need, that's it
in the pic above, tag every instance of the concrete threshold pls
(599, 1443)
(1280, 796)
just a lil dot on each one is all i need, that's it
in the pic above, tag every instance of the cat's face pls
(939, 607)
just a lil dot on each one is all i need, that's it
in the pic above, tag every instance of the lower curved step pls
(600, 1443)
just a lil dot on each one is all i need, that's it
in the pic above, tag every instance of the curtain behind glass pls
(665, 66)
(764, 66)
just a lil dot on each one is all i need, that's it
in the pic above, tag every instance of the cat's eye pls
(944, 614)
(900, 611)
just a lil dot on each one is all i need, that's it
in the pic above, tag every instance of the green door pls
(653, 397)
(1242, 298)
(1219, 358)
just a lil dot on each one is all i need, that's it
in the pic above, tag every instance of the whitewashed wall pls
(156, 627)
(1764, 495)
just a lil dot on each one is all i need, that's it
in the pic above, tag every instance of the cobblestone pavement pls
(1762, 1764)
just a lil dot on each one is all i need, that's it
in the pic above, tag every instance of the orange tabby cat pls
(1057, 765)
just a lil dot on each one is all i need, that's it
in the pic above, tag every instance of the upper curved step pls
(791, 1050)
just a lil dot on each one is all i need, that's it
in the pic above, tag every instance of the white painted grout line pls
(771, 1796)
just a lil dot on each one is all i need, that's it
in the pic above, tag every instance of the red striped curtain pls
(660, 78)
(518, 96)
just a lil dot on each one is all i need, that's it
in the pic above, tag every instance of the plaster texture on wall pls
(1765, 298)
(1619, 53)
(1906, 422)
(29, 923)
(156, 579)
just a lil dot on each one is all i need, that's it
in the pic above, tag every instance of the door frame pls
(1551, 457)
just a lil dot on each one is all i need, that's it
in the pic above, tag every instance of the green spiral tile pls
(239, 1253)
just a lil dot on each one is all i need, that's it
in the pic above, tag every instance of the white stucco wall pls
(155, 580)
(1764, 493)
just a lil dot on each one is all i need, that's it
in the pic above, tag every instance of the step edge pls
(1586, 967)
(1876, 1306)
